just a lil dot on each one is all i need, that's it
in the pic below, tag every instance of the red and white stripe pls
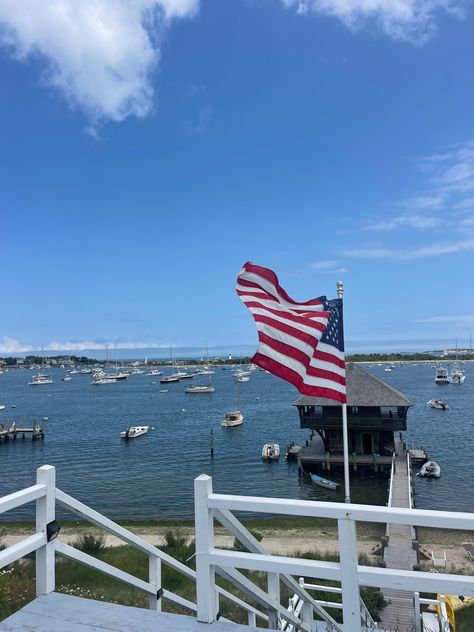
(289, 335)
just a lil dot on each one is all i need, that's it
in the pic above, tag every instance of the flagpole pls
(347, 491)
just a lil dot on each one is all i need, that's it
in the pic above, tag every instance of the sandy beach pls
(283, 541)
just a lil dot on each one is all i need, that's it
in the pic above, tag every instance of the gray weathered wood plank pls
(63, 613)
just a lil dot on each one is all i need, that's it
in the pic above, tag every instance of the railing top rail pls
(17, 499)
(366, 575)
(342, 511)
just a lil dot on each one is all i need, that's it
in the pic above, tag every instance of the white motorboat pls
(442, 376)
(242, 378)
(234, 418)
(174, 377)
(200, 388)
(103, 378)
(457, 375)
(67, 378)
(41, 378)
(438, 403)
(430, 469)
(134, 431)
(152, 372)
(271, 452)
(2, 406)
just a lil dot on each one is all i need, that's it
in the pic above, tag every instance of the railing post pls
(251, 619)
(416, 608)
(205, 573)
(154, 575)
(45, 513)
(349, 579)
(307, 615)
(273, 588)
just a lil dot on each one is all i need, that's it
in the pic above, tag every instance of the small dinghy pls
(134, 431)
(430, 469)
(271, 452)
(438, 403)
(324, 482)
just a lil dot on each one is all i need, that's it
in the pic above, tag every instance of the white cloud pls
(330, 266)
(82, 345)
(429, 250)
(99, 54)
(408, 20)
(467, 203)
(413, 221)
(423, 202)
(10, 345)
(468, 318)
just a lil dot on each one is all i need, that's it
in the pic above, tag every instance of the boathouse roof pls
(363, 389)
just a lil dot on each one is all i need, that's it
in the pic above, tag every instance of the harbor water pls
(152, 476)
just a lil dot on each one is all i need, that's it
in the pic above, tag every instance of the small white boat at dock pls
(271, 452)
(134, 431)
(430, 469)
(324, 482)
(438, 403)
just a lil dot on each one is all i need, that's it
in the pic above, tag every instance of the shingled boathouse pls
(375, 411)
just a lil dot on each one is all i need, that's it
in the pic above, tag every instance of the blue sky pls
(148, 149)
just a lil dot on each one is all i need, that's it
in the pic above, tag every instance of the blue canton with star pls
(334, 334)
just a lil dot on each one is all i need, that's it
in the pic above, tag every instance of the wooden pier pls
(312, 456)
(20, 429)
(399, 553)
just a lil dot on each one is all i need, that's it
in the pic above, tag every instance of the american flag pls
(291, 334)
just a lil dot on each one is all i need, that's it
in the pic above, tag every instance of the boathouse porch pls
(52, 611)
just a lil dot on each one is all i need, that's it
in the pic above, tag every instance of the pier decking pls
(399, 553)
(311, 455)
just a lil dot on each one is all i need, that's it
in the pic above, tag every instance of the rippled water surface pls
(152, 476)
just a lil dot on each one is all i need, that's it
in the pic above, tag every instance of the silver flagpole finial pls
(340, 289)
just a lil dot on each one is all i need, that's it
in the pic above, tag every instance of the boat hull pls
(232, 419)
(324, 482)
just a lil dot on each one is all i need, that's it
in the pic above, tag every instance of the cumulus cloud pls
(10, 345)
(408, 20)
(98, 54)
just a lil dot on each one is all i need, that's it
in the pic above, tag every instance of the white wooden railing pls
(444, 625)
(211, 560)
(351, 575)
(46, 495)
(390, 491)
